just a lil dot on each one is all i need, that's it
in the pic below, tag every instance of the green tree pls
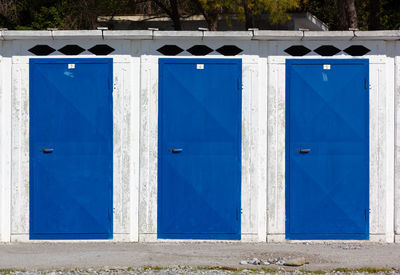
(171, 8)
(51, 17)
(277, 11)
(211, 10)
(246, 10)
(386, 15)
(371, 14)
(82, 14)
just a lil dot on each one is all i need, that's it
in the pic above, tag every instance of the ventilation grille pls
(357, 50)
(170, 50)
(297, 50)
(327, 50)
(42, 50)
(71, 50)
(198, 50)
(100, 49)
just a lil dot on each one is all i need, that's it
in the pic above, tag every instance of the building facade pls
(259, 136)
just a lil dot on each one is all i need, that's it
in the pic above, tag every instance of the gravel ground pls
(192, 271)
(237, 257)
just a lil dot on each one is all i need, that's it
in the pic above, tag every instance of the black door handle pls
(176, 150)
(303, 151)
(47, 150)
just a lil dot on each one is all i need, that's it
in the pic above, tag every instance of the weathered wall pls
(5, 146)
(397, 145)
(135, 101)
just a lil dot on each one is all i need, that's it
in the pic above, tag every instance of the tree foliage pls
(277, 11)
(82, 14)
(246, 10)
(386, 14)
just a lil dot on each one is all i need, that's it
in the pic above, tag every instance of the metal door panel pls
(327, 114)
(71, 115)
(200, 113)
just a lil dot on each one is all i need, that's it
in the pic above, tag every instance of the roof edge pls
(201, 34)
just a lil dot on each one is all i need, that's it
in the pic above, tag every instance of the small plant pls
(269, 270)
(153, 267)
(343, 269)
(312, 271)
(369, 270)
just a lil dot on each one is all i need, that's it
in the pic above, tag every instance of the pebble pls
(345, 246)
(280, 262)
(243, 262)
(295, 262)
(254, 261)
(272, 260)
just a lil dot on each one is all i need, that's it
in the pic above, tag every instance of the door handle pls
(46, 150)
(303, 151)
(176, 150)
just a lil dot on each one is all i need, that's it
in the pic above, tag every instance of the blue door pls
(71, 146)
(199, 148)
(327, 149)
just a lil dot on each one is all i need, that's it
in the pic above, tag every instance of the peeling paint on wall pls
(135, 95)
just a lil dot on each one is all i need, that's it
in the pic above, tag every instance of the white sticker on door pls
(200, 66)
(327, 66)
(71, 66)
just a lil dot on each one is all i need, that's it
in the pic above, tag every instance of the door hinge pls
(238, 84)
(365, 83)
(238, 213)
(366, 214)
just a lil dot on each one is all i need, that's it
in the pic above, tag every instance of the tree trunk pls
(172, 11)
(351, 14)
(210, 17)
(342, 18)
(249, 18)
(374, 15)
(347, 14)
(175, 16)
(212, 21)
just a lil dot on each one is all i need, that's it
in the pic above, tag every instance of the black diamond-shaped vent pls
(71, 50)
(327, 50)
(170, 50)
(200, 50)
(297, 50)
(42, 50)
(229, 50)
(356, 50)
(101, 49)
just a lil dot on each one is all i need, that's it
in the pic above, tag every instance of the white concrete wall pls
(135, 115)
(5, 147)
(397, 144)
